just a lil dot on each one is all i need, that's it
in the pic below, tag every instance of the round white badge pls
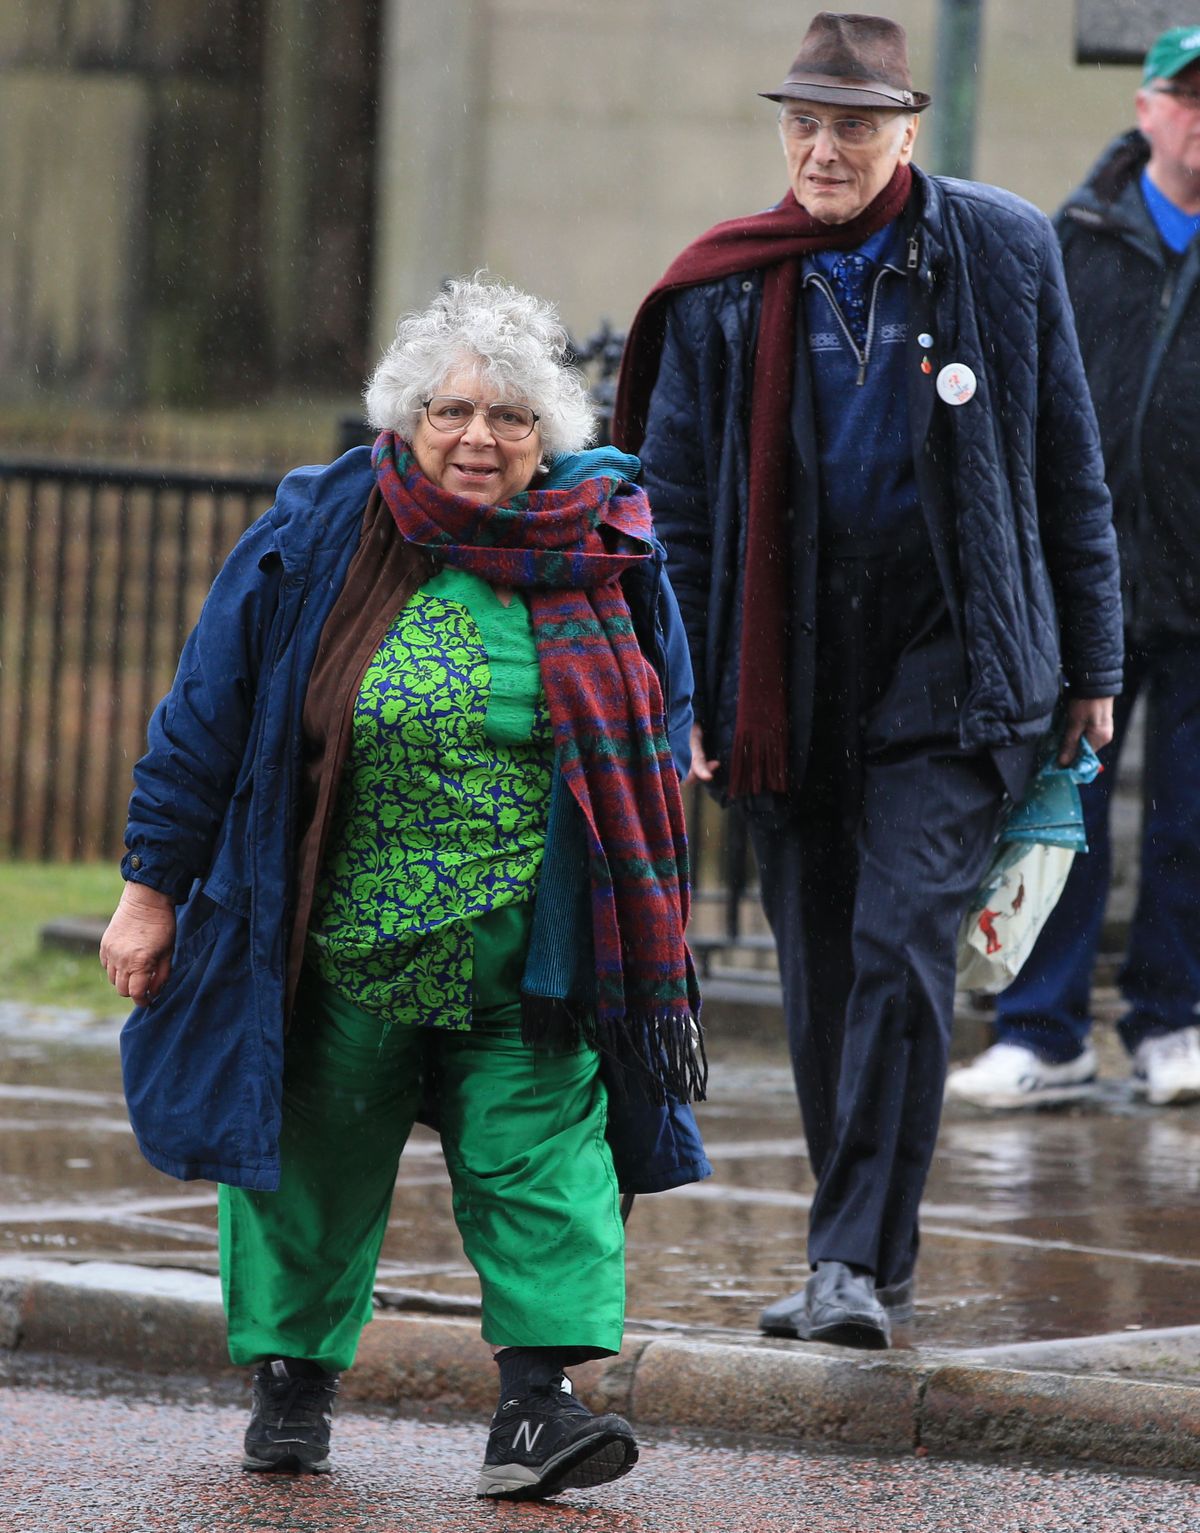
(956, 383)
(925, 340)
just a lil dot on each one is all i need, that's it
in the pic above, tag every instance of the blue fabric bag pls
(1051, 812)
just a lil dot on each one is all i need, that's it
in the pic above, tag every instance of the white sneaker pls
(1167, 1068)
(1010, 1075)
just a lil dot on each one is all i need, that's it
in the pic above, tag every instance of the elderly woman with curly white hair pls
(414, 789)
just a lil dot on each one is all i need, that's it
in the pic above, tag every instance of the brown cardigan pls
(384, 574)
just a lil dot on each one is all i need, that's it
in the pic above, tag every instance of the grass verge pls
(32, 893)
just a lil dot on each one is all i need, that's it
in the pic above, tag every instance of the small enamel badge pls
(956, 383)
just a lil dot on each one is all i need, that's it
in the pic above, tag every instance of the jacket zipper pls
(864, 355)
(1167, 294)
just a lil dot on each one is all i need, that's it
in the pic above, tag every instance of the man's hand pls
(702, 768)
(137, 944)
(1090, 716)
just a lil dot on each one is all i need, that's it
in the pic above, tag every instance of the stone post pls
(956, 88)
(432, 151)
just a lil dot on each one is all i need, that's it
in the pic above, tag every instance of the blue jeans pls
(1047, 1007)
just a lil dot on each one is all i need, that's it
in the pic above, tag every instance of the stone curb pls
(171, 1322)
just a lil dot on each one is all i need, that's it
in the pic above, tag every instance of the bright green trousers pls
(535, 1195)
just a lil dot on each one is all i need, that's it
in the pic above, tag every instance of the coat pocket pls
(202, 1103)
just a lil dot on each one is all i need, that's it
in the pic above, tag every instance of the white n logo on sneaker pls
(527, 1435)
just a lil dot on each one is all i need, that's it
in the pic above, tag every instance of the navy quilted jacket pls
(1012, 482)
(1138, 306)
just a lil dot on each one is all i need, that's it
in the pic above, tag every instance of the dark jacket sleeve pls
(673, 473)
(1074, 507)
(679, 677)
(199, 733)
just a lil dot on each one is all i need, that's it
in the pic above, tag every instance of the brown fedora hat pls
(851, 60)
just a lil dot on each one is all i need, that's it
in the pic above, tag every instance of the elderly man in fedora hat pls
(869, 446)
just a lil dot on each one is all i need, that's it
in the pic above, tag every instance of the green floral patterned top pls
(442, 808)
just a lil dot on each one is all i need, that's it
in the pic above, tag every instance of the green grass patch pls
(33, 893)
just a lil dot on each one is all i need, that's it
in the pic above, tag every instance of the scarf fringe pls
(654, 1057)
(552, 1024)
(759, 761)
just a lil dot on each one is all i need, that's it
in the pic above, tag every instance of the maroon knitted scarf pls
(776, 240)
(608, 719)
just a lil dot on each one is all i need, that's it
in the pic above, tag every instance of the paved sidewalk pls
(1058, 1307)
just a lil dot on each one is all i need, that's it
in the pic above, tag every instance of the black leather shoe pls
(836, 1305)
(784, 1317)
(899, 1300)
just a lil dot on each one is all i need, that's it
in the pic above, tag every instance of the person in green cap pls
(1131, 246)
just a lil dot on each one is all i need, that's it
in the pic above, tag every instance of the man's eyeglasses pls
(1185, 97)
(846, 130)
(446, 412)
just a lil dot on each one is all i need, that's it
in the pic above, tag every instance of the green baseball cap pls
(1170, 53)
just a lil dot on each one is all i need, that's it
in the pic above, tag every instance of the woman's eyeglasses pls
(446, 412)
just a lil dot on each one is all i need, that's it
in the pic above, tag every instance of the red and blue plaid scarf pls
(606, 711)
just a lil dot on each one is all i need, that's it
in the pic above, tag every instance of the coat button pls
(135, 862)
(747, 287)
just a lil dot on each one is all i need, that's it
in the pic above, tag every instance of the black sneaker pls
(290, 1420)
(546, 1441)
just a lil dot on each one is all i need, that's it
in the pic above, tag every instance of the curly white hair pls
(516, 342)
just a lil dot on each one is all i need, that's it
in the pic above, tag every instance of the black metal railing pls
(102, 574)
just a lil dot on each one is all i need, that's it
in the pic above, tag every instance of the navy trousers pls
(1047, 1007)
(865, 889)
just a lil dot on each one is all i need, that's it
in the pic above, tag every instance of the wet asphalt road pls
(114, 1456)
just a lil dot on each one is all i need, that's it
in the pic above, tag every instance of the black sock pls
(301, 1368)
(525, 1368)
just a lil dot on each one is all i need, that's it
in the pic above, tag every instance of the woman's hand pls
(702, 768)
(1090, 716)
(137, 943)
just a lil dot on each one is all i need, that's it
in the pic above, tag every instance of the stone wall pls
(206, 199)
(187, 194)
(575, 147)
(1120, 31)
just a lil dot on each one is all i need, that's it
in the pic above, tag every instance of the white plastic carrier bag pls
(1035, 848)
(1008, 911)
